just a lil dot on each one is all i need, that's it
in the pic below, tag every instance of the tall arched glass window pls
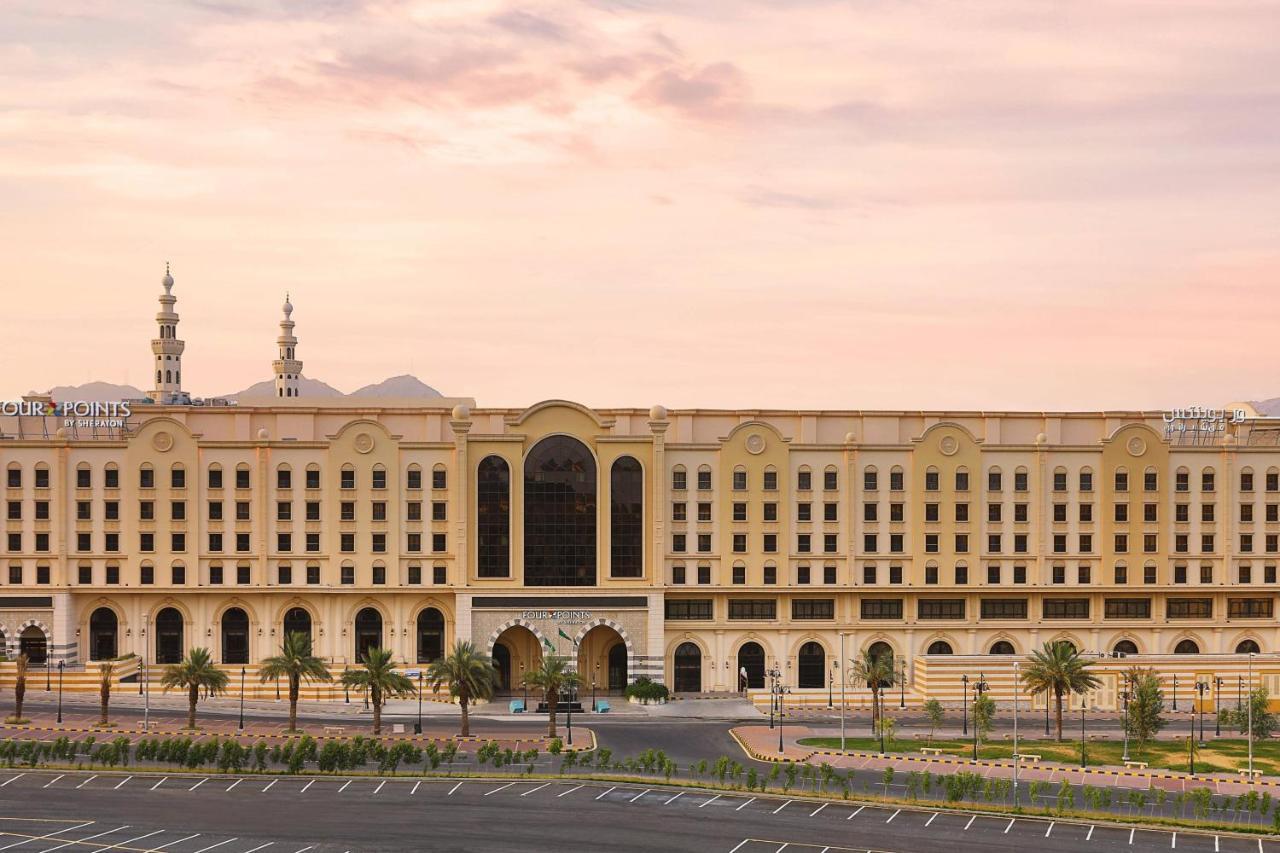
(626, 516)
(493, 518)
(560, 514)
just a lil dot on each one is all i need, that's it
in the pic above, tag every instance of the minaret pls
(168, 348)
(287, 367)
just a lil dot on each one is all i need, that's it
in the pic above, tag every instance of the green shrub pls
(645, 688)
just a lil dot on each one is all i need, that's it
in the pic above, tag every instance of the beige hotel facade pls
(685, 545)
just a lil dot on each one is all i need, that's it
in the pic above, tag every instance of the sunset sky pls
(759, 203)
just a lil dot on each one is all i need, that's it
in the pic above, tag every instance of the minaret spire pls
(288, 368)
(167, 348)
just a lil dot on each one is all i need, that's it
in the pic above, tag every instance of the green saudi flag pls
(547, 643)
(561, 632)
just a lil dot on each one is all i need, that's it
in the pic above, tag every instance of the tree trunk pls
(19, 693)
(553, 699)
(193, 696)
(1057, 695)
(103, 705)
(466, 720)
(875, 704)
(293, 702)
(375, 697)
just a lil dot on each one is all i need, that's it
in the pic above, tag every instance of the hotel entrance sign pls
(560, 617)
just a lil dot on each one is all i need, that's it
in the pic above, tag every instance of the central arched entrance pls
(602, 659)
(104, 632)
(812, 662)
(751, 660)
(34, 644)
(515, 651)
(368, 632)
(169, 636)
(688, 668)
(297, 620)
(235, 636)
(430, 635)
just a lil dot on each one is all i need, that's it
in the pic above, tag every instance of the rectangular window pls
(1206, 512)
(993, 481)
(804, 512)
(896, 541)
(42, 542)
(962, 575)
(739, 575)
(993, 513)
(379, 575)
(215, 510)
(1180, 573)
(869, 574)
(413, 543)
(1059, 543)
(739, 481)
(413, 511)
(739, 543)
(348, 575)
(111, 478)
(1086, 543)
(313, 479)
(677, 574)
(678, 543)
(1122, 543)
(830, 542)
(284, 511)
(146, 542)
(1189, 608)
(881, 608)
(1086, 481)
(347, 479)
(770, 481)
(146, 510)
(895, 481)
(178, 478)
(770, 511)
(1059, 481)
(1127, 608)
(679, 480)
(1086, 513)
(1004, 608)
(940, 608)
(439, 479)
(179, 575)
(1020, 513)
(1246, 513)
(242, 478)
(688, 609)
(1206, 573)
(415, 573)
(829, 511)
(962, 543)
(146, 478)
(802, 543)
(804, 609)
(84, 575)
(993, 574)
(678, 512)
(704, 481)
(931, 543)
(215, 574)
(1059, 574)
(148, 574)
(242, 510)
(1180, 543)
(1207, 481)
(895, 574)
(770, 574)
(1066, 608)
(379, 510)
(84, 541)
(284, 479)
(962, 512)
(1084, 574)
(962, 481)
(1019, 574)
(438, 543)
(1245, 574)
(284, 574)
(1121, 513)
(1182, 482)
(84, 510)
(242, 543)
(1059, 513)
(313, 543)
(284, 542)
(704, 574)
(829, 480)
(1269, 573)
(804, 481)
(803, 574)
(770, 543)
(243, 574)
(439, 575)
(931, 481)
(347, 543)
(379, 478)
(870, 480)
(1250, 608)
(829, 575)
(704, 511)
(739, 511)
(753, 608)
(1122, 481)
(1150, 543)
(413, 481)
(439, 511)
(111, 543)
(1121, 573)
(931, 575)
(930, 512)
(1246, 543)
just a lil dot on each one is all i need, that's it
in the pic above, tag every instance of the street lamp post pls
(1191, 746)
(1240, 689)
(964, 708)
(417, 729)
(593, 695)
(526, 688)
(1125, 697)
(1249, 717)
(881, 715)
(979, 688)
(1016, 760)
(241, 726)
(48, 672)
(1217, 719)
(569, 717)
(773, 696)
(146, 697)
(831, 684)
(346, 688)
(1175, 693)
(1201, 687)
(60, 665)
(902, 684)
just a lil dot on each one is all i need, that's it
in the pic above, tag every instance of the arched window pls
(679, 479)
(235, 636)
(104, 634)
(880, 650)
(1186, 647)
(1070, 645)
(1125, 647)
(33, 643)
(560, 514)
(1246, 647)
(368, 632)
(493, 518)
(297, 620)
(169, 636)
(430, 635)
(751, 661)
(688, 668)
(939, 647)
(626, 518)
(812, 662)
(1002, 647)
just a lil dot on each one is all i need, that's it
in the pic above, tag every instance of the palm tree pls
(551, 675)
(296, 663)
(20, 685)
(193, 674)
(1059, 668)
(877, 671)
(468, 674)
(105, 674)
(379, 677)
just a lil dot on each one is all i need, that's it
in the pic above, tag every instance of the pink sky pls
(761, 203)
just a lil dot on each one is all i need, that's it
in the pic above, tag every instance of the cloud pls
(710, 92)
(525, 23)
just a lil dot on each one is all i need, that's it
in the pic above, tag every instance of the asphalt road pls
(78, 812)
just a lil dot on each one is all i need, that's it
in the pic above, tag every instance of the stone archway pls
(604, 657)
(515, 650)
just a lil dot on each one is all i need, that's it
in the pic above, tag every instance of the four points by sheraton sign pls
(74, 413)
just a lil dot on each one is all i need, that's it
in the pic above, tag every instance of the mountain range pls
(399, 387)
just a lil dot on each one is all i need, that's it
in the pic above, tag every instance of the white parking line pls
(411, 793)
(670, 801)
(971, 820)
(1173, 842)
(1010, 826)
(349, 781)
(1131, 832)
(211, 846)
(158, 784)
(1215, 844)
(268, 788)
(454, 788)
(781, 807)
(14, 779)
(487, 794)
(639, 795)
(1090, 834)
(1049, 830)
(740, 844)
(86, 781)
(198, 784)
(306, 786)
(706, 803)
(131, 840)
(120, 784)
(259, 847)
(172, 843)
(744, 805)
(531, 790)
(818, 809)
(568, 792)
(784, 846)
(606, 793)
(305, 849)
(233, 784)
(54, 779)
(381, 785)
(892, 816)
(86, 838)
(930, 820)
(50, 835)
(856, 812)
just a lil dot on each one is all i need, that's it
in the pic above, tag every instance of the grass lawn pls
(1222, 755)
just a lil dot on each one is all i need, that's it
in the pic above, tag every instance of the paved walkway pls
(761, 743)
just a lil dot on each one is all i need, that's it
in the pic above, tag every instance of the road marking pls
(856, 812)
(268, 788)
(1259, 845)
(259, 847)
(198, 784)
(708, 802)
(487, 793)
(639, 795)
(781, 807)
(305, 849)
(668, 802)
(740, 844)
(568, 792)
(971, 820)
(930, 820)
(1131, 832)
(86, 782)
(121, 783)
(606, 793)
(158, 784)
(818, 809)
(1173, 842)
(1049, 830)
(349, 781)
(783, 847)
(14, 779)
(306, 786)
(892, 816)
(87, 838)
(531, 790)
(171, 843)
(233, 784)
(55, 779)
(211, 846)
(744, 805)
(1090, 835)
(131, 840)
(1215, 844)
(1007, 828)
(50, 835)
(411, 793)
(384, 782)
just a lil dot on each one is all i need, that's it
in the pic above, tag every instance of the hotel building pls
(684, 545)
